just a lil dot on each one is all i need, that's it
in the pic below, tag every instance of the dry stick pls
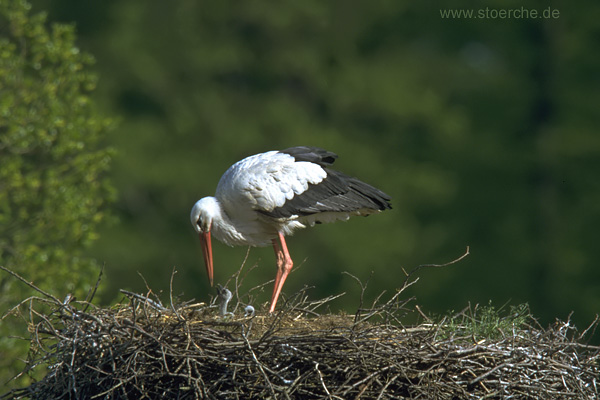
(92, 292)
(260, 367)
(171, 296)
(418, 267)
(369, 378)
(329, 395)
(407, 283)
(425, 317)
(237, 279)
(27, 300)
(144, 299)
(363, 288)
(377, 310)
(287, 308)
(490, 372)
(31, 285)
(148, 287)
(313, 305)
(591, 327)
(145, 281)
(362, 390)
(387, 384)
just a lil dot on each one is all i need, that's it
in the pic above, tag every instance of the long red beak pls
(207, 251)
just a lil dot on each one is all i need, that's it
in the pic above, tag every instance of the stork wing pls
(266, 181)
(295, 182)
(311, 154)
(337, 193)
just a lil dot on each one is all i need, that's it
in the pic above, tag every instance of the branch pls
(31, 285)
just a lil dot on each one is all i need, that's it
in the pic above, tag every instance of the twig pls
(31, 285)
(363, 288)
(171, 296)
(418, 267)
(144, 299)
(260, 367)
(329, 395)
(92, 292)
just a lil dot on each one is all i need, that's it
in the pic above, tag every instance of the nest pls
(143, 350)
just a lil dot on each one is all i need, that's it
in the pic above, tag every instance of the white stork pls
(264, 197)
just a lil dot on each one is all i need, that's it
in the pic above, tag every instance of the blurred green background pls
(483, 131)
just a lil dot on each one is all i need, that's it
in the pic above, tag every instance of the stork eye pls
(203, 225)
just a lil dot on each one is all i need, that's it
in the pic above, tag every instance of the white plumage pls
(265, 197)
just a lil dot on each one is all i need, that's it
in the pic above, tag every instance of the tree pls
(52, 164)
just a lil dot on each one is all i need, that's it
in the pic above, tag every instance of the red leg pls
(284, 266)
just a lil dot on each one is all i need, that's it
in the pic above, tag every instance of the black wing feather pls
(336, 193)
(311, 154)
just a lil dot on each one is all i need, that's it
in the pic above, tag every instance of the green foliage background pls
(52, 162)
(484, 132)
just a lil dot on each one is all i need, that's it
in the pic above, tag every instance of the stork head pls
(201, 217)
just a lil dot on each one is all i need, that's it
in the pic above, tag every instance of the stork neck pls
(218, 216)
(221, 227)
